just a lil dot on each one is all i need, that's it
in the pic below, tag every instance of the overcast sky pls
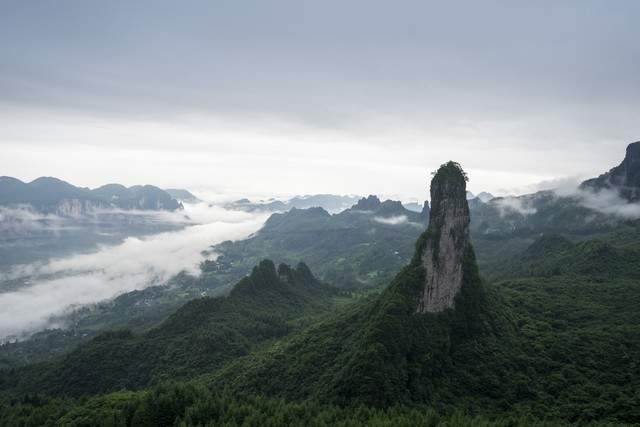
(283, 97)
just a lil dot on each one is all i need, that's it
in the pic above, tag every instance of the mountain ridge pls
(624, 178)
(53, 195)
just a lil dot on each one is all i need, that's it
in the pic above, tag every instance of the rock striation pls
(447, 240)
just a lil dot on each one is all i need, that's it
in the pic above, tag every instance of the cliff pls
(447, 240)
(625, 178)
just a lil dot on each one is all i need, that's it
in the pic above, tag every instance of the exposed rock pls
(370, 203)
(447, 242)
(424, 214)
(77, 207)
(625, 178)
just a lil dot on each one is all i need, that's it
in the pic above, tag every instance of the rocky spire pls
(424, 214)
(447, 240)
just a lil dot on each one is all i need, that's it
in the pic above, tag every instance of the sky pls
(298, 97)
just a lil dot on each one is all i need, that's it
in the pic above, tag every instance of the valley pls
(375, 306)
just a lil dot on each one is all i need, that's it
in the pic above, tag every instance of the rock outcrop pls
(625, 178)
(447, 240)
(426, 209)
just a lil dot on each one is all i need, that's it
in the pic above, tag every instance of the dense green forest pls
(361, 247)
(550, 336)
(187, 405)
(199, 337)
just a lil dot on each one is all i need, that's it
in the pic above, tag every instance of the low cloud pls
(605, 201)
(392, 220)
(560, 185)
(62, 284)
(510, 205)
(22, 219)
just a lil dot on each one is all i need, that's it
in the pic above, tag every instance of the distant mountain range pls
(328, 202)
(54, 196)
(376, 236)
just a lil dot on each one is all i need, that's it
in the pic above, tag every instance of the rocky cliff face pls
(74, 207)
(447, 242)
(625, 178)
(426, 209)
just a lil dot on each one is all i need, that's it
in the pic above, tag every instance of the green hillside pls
(199, 337)
(552, 339)
(363, 246)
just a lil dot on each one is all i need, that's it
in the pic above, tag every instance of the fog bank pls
(62, 284)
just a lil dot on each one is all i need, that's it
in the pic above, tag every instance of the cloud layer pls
(221, 94)
(137, 263)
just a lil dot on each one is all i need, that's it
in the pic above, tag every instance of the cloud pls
(62, 284)
(509, 205)
(22, 219)
(605, 201)
(565, 184)
(392, 220)
(382, 95)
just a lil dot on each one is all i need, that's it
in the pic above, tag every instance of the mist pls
(605, 201)
(21, 219)
(509, 205)
(58, 286)
(393, 220)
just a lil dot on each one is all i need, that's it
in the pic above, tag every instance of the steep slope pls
(388, 349)
(200, 336)
(624, 178)
(363, 246)
(182, 195)
(554, 255)
(502, 226)
(447, 245)
(561, 347)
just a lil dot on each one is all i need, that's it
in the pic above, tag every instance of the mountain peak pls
(625, 178)
(447, 239)
(370, 203)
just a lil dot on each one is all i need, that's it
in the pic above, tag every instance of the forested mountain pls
(362, 246)
(624, 178)
(199, 337)
(51, 195)
(528, 346)
(557, 339)
(390, 349)
(551, 335)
